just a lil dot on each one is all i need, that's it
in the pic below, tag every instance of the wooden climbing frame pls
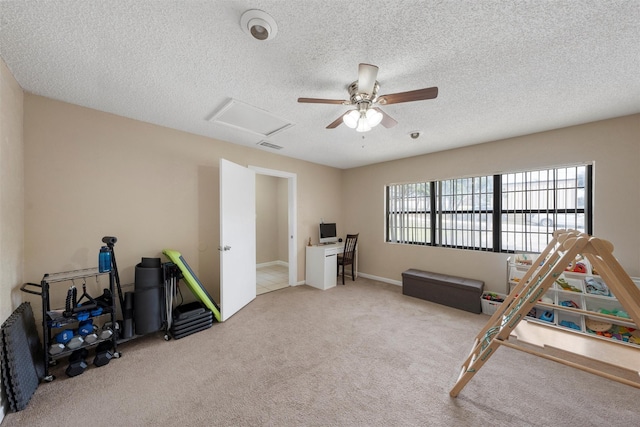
(564, 248)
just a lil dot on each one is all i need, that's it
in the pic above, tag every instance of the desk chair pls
(348, 256)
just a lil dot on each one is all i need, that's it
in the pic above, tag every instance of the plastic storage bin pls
(489, 306)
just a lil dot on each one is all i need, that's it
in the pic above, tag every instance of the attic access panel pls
(239, 115)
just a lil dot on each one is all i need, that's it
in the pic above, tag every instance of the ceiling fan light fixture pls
(258, 24)
(363, 93)
(363, 126)
(363, 123)
(374, 117)
(351, 118)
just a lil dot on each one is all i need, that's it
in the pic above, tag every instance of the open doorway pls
(276, 260)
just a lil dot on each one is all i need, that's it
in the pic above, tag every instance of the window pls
(511, 212)
(409, 213)
(536, 203)
(465, 213)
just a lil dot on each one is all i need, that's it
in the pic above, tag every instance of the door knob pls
(226, 248)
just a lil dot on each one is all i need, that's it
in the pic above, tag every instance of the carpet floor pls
(356, 355)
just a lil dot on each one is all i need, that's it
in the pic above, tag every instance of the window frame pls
(579, 185)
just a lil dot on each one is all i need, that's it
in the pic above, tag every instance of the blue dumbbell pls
(64, 336)
(85, 327)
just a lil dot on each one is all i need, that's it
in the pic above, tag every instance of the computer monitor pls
(328, 233)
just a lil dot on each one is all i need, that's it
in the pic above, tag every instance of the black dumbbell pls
(77, 362)
(104, 353)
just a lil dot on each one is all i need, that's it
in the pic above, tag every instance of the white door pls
(237, 237)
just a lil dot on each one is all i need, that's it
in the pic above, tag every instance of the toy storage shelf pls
(54, 319)
(571, 304)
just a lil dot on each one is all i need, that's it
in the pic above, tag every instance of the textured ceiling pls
(503, 68)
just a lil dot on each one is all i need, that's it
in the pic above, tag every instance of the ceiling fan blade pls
(387, 120)
(334, 124)
(323, 101)
(413, 95)
(367, 75)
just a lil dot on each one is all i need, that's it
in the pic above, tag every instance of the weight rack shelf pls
(50, 319)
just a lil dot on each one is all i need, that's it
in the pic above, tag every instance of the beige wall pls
(11, 193)
(266, 218)
(89, 174)
(614, 146)
(11, 199)
(271, 219)
(283, 219)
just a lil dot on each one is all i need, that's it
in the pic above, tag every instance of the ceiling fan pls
(363, 94)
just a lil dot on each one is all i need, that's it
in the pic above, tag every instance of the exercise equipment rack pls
(53, 319)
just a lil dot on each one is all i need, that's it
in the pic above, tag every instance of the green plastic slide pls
(193, 282)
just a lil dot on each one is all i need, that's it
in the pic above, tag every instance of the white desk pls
(322, 265)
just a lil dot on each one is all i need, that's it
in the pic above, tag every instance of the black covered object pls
(458, 292)
(192, 330)
(148, 299)
(21, 357)
(188, 310)
(148, 273)
(190, 318)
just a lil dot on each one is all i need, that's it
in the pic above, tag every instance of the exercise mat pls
(148, 301)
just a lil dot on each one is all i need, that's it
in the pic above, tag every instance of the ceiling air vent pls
(270, 145)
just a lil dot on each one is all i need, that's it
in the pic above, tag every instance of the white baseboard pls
(369, 276)
(380, 279)
(270, 263)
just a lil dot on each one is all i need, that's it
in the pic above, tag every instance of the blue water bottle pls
(104, 260)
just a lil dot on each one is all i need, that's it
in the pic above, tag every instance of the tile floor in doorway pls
(271, 278)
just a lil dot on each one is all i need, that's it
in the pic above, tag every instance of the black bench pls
(451, 291)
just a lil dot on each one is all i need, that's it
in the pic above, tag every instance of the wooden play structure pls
(565, 247)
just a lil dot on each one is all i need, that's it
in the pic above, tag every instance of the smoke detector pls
(258, 24)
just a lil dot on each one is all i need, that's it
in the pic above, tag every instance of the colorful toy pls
(547, 316)
(580, 268)
(578, 265)
(614, 312)
(492, 297)
(569, 303)
(568, 324)
(562, 282)
(616, 332)
(598, 325)
(622, 313)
